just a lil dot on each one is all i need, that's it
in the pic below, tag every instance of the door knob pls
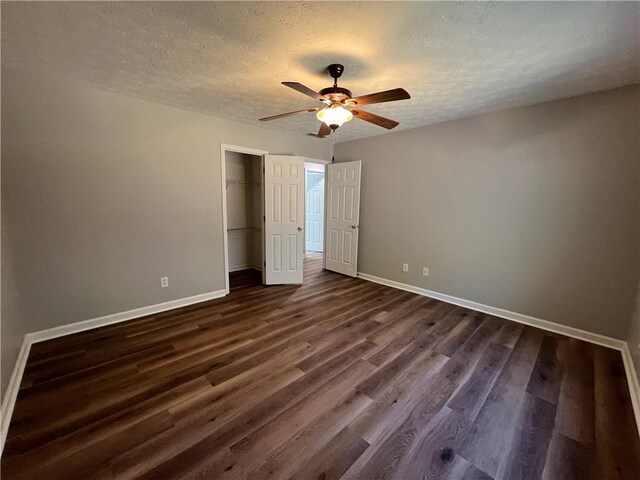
(299, 229)
(354, 226)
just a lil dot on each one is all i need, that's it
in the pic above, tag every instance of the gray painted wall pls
(11, 331)
(102, 195)
(634, 336)
(534, 209)
(634, 329)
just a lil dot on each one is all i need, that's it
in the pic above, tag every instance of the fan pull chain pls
(333, 143)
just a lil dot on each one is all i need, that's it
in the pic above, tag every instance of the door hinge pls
(265, 263)
(264, 218)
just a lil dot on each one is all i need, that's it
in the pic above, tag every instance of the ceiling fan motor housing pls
(336, 94)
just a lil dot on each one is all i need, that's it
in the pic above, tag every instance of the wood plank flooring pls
(336, 379)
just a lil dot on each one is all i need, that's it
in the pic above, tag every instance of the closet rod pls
(240, 183)
(243, 228)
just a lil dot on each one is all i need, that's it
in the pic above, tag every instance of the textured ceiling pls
(228, 58)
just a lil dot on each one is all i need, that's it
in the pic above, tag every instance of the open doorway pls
(315, 211)
(314, 208)
(264, 215)
(243, 209)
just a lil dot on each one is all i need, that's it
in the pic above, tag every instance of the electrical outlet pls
(425, 271)
(405, 267)
(164, 282)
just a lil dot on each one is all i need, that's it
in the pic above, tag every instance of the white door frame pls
(224, 148)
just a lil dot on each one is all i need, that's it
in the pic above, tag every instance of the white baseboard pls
(11, 394)
(632, 380)
(502, 313)
(121, 317)
(621, 345)
(238, 268)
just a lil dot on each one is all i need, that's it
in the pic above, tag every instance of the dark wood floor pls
(339, 378)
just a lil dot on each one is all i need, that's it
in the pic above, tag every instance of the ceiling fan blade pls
(375, 119)
(380, 97)
(325, 130)
(305, 90)
(274, 117)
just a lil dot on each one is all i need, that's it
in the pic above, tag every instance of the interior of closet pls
(244, 210)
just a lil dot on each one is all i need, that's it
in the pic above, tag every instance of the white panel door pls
(315, 207)
(343, 214)
(284, 218)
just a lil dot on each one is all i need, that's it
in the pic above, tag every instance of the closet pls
(244, 210)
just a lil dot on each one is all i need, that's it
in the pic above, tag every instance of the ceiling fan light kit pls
(333, 113)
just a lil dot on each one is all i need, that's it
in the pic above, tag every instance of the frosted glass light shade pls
(335, 115)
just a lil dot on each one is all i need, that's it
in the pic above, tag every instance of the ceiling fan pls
(339, 105)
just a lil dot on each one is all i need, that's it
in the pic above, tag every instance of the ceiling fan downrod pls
(335, 70)
(336, 94)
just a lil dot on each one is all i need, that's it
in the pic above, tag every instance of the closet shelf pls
(237, 229)
(240, 183)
